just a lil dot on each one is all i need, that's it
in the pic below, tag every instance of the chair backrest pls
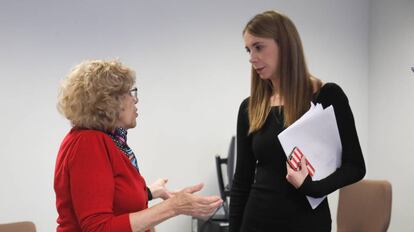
(224, 191)
(231, 158)
(365, 206)
(229, 163)
(25, 226)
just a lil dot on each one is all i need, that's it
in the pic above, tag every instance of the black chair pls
(217, 221)
(229, 163)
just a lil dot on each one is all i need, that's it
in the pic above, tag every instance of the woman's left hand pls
(158, 189)
(296, 178)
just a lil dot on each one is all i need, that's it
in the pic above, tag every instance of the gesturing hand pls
(296, 178)
(185, 202)
(158, 189)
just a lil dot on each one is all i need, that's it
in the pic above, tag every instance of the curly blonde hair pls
(90, 96)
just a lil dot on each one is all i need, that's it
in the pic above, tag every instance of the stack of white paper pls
(316, 135)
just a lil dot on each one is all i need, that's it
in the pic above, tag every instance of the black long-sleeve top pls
(262, 199)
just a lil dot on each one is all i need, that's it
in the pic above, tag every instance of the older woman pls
(97, 182)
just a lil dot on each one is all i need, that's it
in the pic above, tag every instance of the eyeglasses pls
(134, 92)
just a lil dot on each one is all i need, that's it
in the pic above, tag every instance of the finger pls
(206, 200)
(289, 169)
(200, 200)
(216, 204)
(303, 160)
(194, 188)
(178, 190)
(203, 215)
(304, 170)
(208, 209)
(166, 195)
(207, 213)
(164, 183)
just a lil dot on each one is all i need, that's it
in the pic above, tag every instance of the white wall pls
(192, 74)
(391, 109)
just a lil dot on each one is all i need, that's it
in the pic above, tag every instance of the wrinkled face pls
(264, 55)
(129, 112)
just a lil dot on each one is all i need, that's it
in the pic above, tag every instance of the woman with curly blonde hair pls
(97, 182)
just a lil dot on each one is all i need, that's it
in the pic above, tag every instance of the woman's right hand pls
(185, 202)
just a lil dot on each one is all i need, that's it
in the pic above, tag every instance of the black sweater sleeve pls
(245, 169)
(353, 166)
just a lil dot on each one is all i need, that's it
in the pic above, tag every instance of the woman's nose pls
(253, 58)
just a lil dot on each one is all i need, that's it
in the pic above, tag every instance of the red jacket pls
(96, 185)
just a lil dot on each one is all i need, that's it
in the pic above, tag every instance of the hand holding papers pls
(316, 134)
(294, 161)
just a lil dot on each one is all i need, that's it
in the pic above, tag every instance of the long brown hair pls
(295, 80)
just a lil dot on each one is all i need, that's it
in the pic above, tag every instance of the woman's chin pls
(264, 77)
(132, 125)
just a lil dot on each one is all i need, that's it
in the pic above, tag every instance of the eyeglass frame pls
(134, 92)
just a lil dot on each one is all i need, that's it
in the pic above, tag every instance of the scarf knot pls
(119, 136)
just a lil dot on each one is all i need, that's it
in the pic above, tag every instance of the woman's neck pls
(275, 99)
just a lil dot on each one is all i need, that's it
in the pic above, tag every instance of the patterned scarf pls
(119, 136)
